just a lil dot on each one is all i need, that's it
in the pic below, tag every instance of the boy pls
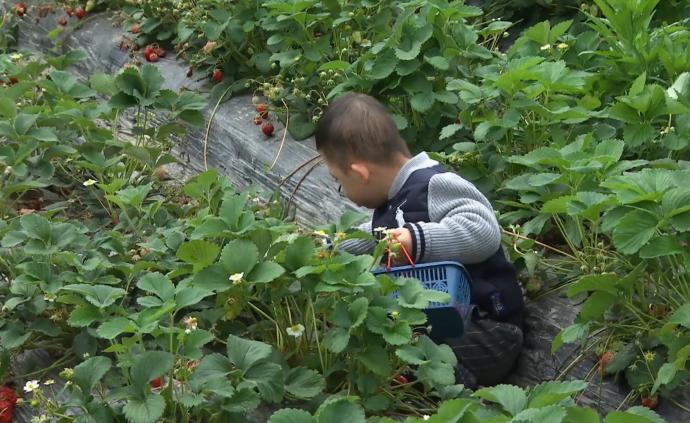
(436, 215)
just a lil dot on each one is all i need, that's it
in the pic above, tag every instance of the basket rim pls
(422, 266)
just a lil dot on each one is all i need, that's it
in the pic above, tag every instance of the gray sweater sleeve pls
(359, 246)
(463, 226)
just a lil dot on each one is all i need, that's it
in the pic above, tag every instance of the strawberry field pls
(163, 212)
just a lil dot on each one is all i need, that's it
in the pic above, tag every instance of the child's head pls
(362, 147)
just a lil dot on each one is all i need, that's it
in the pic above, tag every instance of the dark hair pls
(357, 126)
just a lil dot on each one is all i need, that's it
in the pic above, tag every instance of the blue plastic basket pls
(446, 319)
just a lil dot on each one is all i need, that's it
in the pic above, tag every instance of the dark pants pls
(488, 349)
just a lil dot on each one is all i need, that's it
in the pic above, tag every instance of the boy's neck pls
(388, 174)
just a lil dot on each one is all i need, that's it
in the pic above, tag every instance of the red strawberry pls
(400, 379)
(6, 411)
(153, 57)
(149, 49)
(13, 80)
(20, 9)
(650, 401)
(190, 72)
(605, 360)
(134, 29)
(8, 394)
(261, 107)
(69, 10)
(160, 51)
(156, 383)
(81, 13)
(62, 21)
(267, 129)
(217, 75)
(257, 120)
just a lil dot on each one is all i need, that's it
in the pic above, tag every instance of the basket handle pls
(404, 250)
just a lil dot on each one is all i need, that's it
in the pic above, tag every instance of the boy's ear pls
(362, 170)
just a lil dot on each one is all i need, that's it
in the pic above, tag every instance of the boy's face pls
(358, 185)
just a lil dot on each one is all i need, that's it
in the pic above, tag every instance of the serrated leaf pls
(553, 392)
(110, 329)
(289, 415)
(512, 398)
(450, 130)
(634, 231)
(199, 253)
(340, 410)
(422, 101)
(146, 410)
(265, 272)
(239, 256)
(148, 366)
(375, 358)
(246, 353)
(336, 339)
(88, 373)
(304, 383)
(158, 284)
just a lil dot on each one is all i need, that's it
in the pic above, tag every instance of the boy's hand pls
(404, 237)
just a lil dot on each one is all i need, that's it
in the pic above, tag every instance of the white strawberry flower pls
(236, 278)
(295, 330)
(31, 386)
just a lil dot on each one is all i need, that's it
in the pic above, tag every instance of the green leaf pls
(439, 62)
(265, 272)
(398, 333)
(268, 378)
(82, 316)
(8, 108)
(199, 253)
(239, 256)
(681, 316)
(88, 373)
(553, 392)
(304, 383)
(145, 410)
(36, 227)
(336, 339)
(289, 415)
(422, 101)
(245, 353)
(375, 358)
(661, 246)
(340, 410)
(213, 366)
(582, 415)
(158, 284)
(622, 358)
(103, 83)
(542, 179)
(551, 414)
(512, 398)
(604, 283)
(190, 296)
(411, 354)
(634, 231)
(358, 312)
(299, 253)
(148, 366)
(623, 417)
(232, 208)
(638, 85)
(572, 333)
(383, 65)
(194, 341)
(450, 130)
(110, 329)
